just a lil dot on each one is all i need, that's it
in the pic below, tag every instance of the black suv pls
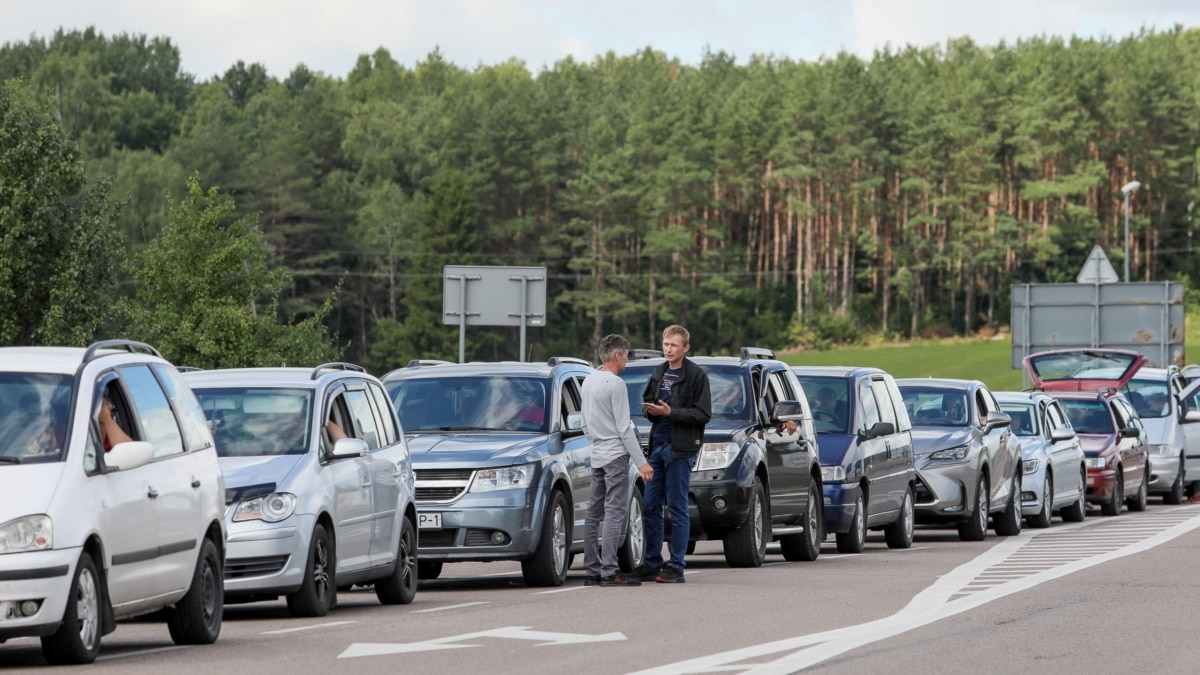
(753, 482)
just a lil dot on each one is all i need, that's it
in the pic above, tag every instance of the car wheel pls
(1077, 511)
(633, 549)
(855, 540)
(317, 592)
(691, 547)
(747, 545)
(1138, 503)
(196, 619)
(1113, 506)
(1042, 519)
(900, 533)
(548, 566)
(1175, 495)
(1008, 523)
(429, 569)
(806, 546)
(77, 639)
(974, 528)
(400, 587)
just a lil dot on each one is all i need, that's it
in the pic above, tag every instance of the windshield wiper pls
(449, 428)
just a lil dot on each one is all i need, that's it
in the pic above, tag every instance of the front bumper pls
(839, 505)
(1164, 469)
(944, 491)
(1031, 493)
(1100, 484)
(42, 576)
(471, 525)
(717, 506)
(267, 558)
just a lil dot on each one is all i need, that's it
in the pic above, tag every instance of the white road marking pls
(544, 638)
(968, 586)
(301, 628)
(442, 609)
(563, 590)
(140, 652)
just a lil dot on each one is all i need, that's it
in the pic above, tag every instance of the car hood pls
(242, 471)
(1094, 444)
(28, 489)
(471, 449)
(932, 439)
(834, 448)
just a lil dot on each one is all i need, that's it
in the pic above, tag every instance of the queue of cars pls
(137, 488)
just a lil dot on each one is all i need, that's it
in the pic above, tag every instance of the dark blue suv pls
(753, 481)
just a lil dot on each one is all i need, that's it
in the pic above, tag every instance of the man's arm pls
(618, 400)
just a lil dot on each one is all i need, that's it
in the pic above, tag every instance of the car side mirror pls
(349, 447)
(1061, 434)
(1191, 416)
(1130, 432)
(787, 411)
(997, 419)
(881, 429)
(574, 422)
(129, 455)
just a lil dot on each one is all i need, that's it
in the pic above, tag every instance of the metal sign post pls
(524, 279)
(462, 280)
(495, 301)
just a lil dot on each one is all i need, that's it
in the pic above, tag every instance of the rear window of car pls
(253, 421)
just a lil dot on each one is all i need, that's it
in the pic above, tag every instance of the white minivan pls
(112, 498)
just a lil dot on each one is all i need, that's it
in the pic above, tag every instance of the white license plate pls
(429, 521)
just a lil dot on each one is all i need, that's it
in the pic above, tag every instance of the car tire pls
(77, 639)
(1042, 519)
(633, 549)
(1008, 523)
(806, 546)
(196, 619)
(400, 587)
(974, 528)
(1077, 511)
(318, 589)
(855, 540)
(747, 545)
(1113, 506)
(691, 547)
(427, 570)
(1138, 503)
(900, 533)
(549, 563)
(1175, 494)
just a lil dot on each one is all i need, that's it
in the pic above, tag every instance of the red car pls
(1087, 382)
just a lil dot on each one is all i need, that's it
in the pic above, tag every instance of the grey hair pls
(610, 346)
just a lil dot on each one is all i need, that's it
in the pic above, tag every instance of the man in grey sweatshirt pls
(614, 443)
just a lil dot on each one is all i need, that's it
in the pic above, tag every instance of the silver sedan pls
(1052, 462)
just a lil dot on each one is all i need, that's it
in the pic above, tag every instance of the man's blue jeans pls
(672, 478)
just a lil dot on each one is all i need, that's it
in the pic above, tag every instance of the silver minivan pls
(1156, 396)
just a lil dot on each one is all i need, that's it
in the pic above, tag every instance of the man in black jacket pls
(678, 405)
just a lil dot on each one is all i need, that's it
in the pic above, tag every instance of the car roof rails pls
(757, 352)
(416, 363)
(188, 369)
(635, 354)
(131, 346)
(336, 365)
(560, 360)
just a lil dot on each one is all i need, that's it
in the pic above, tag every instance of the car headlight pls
(956, 454)
(1030, 465)
(831, 474)
(271, 508)
(1096, 462)
(31, 533)
(1164, 449)
(505, 478)
(716, 456)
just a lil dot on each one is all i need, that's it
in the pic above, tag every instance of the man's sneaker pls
(591, 580)
(670, 575)
(644, 572)
(618, 580)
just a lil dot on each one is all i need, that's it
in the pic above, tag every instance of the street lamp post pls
(1128, 189)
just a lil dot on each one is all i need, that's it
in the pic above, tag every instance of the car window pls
(1055, 419)
(828, 397)
(730, 391)
(869, 406)
(191, 417)
(883, 398)
(387, 414)
(1089, 416)
(1148, 398)
(257, 421)
(34, 410)
(571, 398)
(1025, 420)
(364, 418)
(153, 411)
(472, 403)
(936, 406)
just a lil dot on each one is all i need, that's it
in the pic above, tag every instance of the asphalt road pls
(1106, 595)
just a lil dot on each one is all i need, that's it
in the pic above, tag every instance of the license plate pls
(429, 521)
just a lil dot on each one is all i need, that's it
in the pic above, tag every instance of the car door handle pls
(152, 493)
(196, 482)
(366, 482)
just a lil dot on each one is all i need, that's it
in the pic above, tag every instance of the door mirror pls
(881, 429)
(787, 411)
(349, 447)
(1130, 432)
(1061, 434)
(1191, 416)
(574, 423)
(997, 419)
(129, 455)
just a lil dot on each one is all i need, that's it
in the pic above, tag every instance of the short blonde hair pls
(676, 329)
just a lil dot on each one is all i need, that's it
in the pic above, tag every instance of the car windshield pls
(1024, 418)
(829, 397)
(1149, 397)
(33, 417)
(1088, 417)
(728, 386)
(935, 407)
(258, 421)
(476, 403)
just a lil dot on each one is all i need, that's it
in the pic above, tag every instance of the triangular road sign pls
(1097, 269)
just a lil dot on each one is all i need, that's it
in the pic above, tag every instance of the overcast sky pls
(329, 36)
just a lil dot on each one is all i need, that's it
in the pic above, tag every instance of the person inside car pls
(111, 433)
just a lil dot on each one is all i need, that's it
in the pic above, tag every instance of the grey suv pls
(502, 465)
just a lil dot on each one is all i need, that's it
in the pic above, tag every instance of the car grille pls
(441, 485)
(436, 538)
(237, 568)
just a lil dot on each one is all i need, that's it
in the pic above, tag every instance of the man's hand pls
(658, 408)
(647, 472)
